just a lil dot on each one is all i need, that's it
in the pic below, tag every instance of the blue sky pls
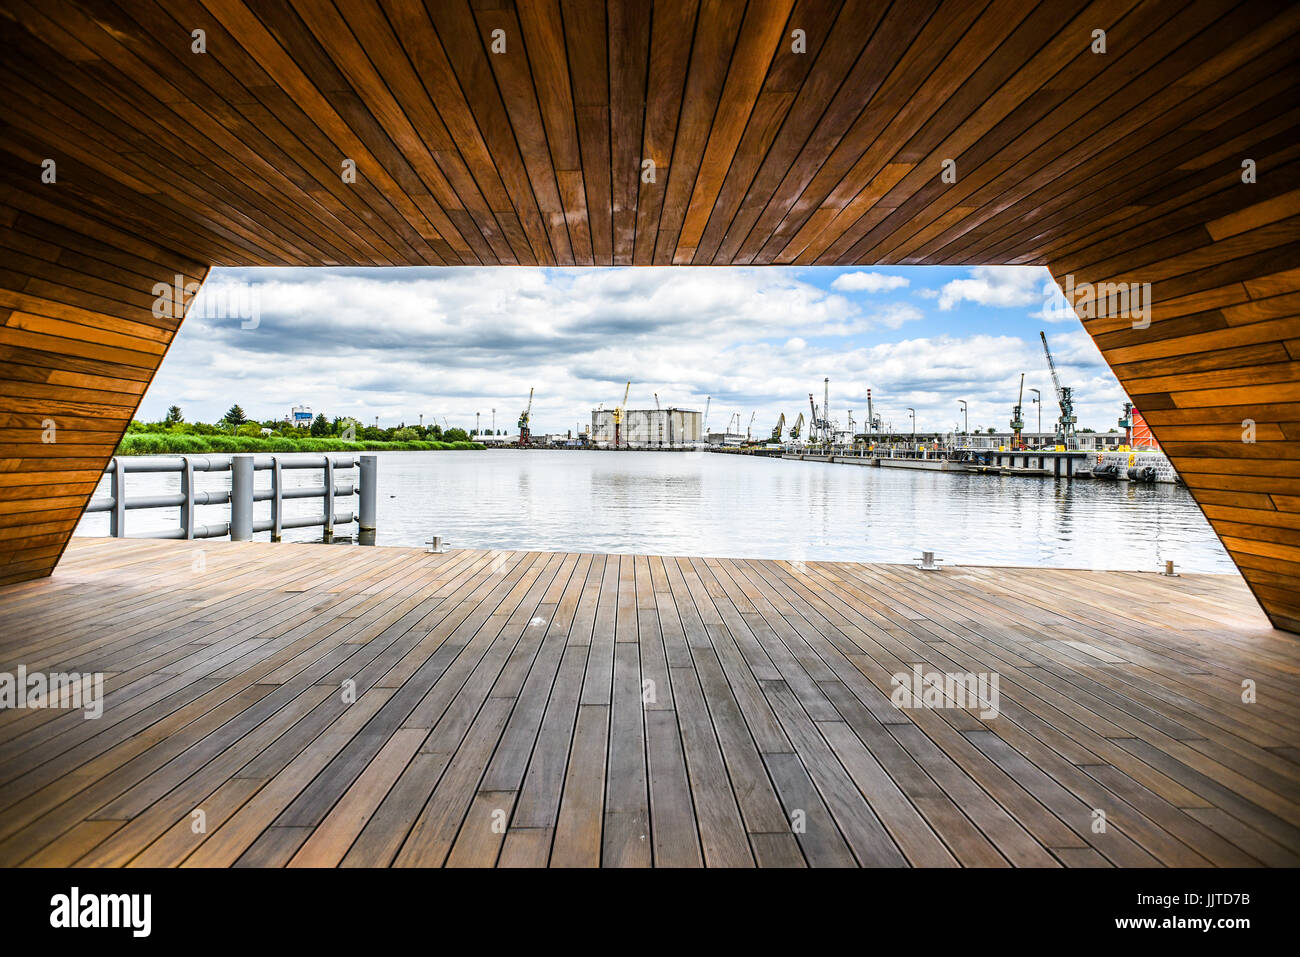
(395, 343)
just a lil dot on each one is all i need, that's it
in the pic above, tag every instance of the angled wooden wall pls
(79, 344)
(1216, 374)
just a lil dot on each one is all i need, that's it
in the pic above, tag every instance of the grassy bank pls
(161, 443)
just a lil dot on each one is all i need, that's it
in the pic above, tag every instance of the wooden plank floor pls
(312, 705)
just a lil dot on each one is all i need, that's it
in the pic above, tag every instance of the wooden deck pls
(524, 708)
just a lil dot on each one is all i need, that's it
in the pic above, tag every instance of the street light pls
(965, 410)
(912, 412)
(1038, 401)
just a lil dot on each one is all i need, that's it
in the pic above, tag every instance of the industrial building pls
(646, 428)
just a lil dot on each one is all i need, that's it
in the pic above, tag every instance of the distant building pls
(301, 416)
(647, 429)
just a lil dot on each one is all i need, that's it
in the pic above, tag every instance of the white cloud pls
(867, 282)
(452, 342)
(1000, 286)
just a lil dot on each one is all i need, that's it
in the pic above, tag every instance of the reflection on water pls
(734, 506)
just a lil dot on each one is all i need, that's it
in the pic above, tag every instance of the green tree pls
(174, 416)
(249, 428)
(406, 434)
(320, 426)
(455, 435)
(236, 416)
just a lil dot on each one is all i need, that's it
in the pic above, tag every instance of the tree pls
(174, 415)
(455, 435)
(320, 426)
(236, 416)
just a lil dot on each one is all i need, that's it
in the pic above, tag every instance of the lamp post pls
(912, 413)
(965, 414)
(1038, 401)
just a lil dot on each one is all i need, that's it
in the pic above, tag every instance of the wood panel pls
(528, 709)
(806, 132)
(80, 340)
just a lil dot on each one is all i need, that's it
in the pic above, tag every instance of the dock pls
(322, 705)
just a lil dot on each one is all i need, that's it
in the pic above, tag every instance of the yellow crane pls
(618, 417)
(796, 428)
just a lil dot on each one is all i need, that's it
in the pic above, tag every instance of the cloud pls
(452, 342)
(999, 286)
(867, 282)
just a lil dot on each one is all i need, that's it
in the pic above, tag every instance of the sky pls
(395, 343)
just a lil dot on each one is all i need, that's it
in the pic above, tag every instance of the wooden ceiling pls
(780, 132)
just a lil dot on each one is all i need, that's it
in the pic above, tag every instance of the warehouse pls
(646, 429)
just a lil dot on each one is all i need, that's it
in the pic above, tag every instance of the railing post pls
(241, 498)
(329, 498)
(369, 479)
(187, 489)
(276, 475)
(117, 489)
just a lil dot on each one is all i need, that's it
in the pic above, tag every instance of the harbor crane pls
(796, 428)
(819, 426)
(780, 427)
(1017, 419)
(656, 401)
(525, 433)
(1065, 432)
(749, 431)
(618, 416)
(708, 401)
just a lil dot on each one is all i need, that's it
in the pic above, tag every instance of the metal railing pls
(242, 494)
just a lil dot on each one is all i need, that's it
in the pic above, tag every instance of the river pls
(735, 506)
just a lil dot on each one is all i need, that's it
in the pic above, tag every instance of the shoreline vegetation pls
(147, 443)
(237, 433)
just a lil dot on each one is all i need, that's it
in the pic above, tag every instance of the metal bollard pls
(329, 499)
(277, 499)
(187, 489)
(369, 478)
(241, 498)
(117, 489)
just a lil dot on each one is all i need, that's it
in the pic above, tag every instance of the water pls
(745, 507)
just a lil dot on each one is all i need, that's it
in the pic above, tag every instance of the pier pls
(1034, 463)
(324, 705)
